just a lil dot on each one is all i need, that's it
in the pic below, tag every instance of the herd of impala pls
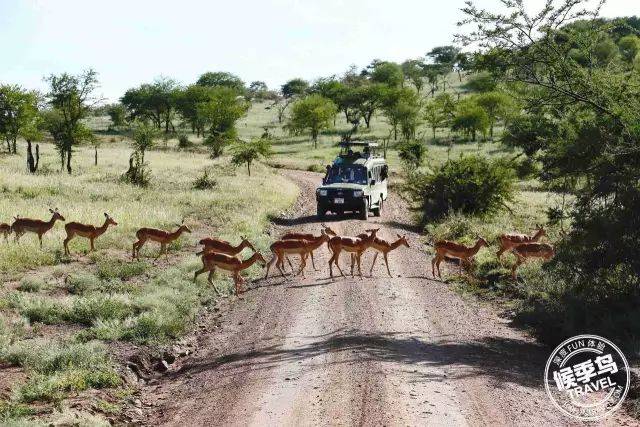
(217, 253)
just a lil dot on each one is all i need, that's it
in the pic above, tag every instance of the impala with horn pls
(37, 226)
(155, 235)
(89, 231)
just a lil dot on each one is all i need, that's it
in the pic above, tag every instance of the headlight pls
(322, 192)
(358, 193)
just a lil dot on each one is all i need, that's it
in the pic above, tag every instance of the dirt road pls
(405, 350)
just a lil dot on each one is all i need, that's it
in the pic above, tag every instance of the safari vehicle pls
(355, 182)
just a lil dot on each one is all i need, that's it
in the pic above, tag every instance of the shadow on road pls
(505, 360)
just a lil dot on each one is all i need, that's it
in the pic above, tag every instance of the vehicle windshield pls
(346, 174)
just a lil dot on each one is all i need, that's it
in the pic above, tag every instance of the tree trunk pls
(69, 161)
(15, 150)
(434, 133)
(8, 145)
(95, 158)
(249, 168)
(30, 160)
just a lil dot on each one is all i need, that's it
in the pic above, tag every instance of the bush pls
(82, 283)
(30, 284)
(204, 182)
(111, 269)
(412, 152)
(183, 141)
(471, 185)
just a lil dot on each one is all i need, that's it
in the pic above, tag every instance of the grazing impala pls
(509, 241)
(223, 247)
(211, 260)
(526, 251)
(302, 247)
(22, 225)
(5, 230)
(307, 236)
(91, 232)
(160, 236)
(445, 248)
(383, 247)
(354, 245)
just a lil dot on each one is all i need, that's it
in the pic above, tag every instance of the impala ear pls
(106, 215)
(50, 210)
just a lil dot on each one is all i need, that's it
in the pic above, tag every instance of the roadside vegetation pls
(475, 145)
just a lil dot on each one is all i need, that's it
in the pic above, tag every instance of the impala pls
(509, 241)
(22, 225)
(445, 248)
(354, 245)
(531, 250)
(156, 235)
(307, 236)
(383, 247)
(302, 247)
(223, 247)
(211, 260)
(91, 232)
(5, 230)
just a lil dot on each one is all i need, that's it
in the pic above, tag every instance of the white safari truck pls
(355, 182)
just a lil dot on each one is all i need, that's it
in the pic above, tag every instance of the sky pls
(134, 41)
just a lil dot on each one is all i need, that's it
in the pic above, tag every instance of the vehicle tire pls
(377, 211)
(364, 212)
(321, 212)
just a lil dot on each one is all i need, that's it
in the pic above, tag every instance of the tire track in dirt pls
(404, 350)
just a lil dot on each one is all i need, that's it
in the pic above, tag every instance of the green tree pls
(187, 102)
(497, 105)
(412, 153)
(222, 79)
(401, 107)
(313, 113)
(144, 137)
(155, 102)
(245, 153)
(70, 98)
(434, 116)
(294, 87)
(414, 70)
(18, 109)
(481, 82)
(258, 90)
(470, 119)
(117, 113)
(220, 114)
(386, 72)
(629, 47)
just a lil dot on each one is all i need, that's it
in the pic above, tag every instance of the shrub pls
(412, 152)
(471, 185)
(204, 182)
(183, 141)
(39, 309)
(86, 310)
(82, 283)
(109, 269)
(31, 284)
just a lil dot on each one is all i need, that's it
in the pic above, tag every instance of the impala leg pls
(65, 243)
(303, 264)
(197, 273)
(280, 264)
(439, 260)
(499, 254)
(163, 247)
(353, 262)
(375, 257)
(313, 263)
(210, 280)
(269, 264)
(433, 266)
(514, 275)
(93, 248)
(40, 239)
(386, 261)
(290, 265)
(358, 257)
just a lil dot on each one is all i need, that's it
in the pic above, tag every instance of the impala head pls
(325, 237)
(403, 240)
(56, 214)
(183, 228)
(247, 243)
(328, 230)
(372, 232)
(482, 242)
(540, 231)
(109, 219)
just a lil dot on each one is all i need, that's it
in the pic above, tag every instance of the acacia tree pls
(219, 114)
(414, 70)
(434, 116)
(470, 118)
(245, 153)
(222, 79)
(401, 107)
(155, 102)
(313, 113)
(70, 98)
(18, 110)
(497, 105)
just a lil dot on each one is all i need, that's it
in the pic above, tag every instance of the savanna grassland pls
(69, 322)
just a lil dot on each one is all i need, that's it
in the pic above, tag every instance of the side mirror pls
(372, 182)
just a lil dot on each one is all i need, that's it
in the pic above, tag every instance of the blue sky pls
(134, 41)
